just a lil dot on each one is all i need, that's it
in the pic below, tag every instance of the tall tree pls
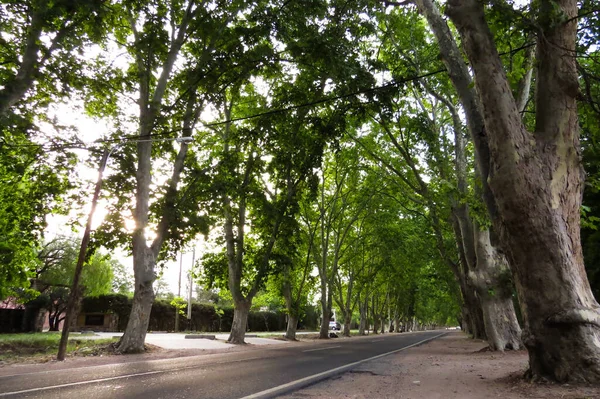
(41, 44)
(296, 279)
(483, 267)
(536, 179)
(153, 36)
(53, 276)
(257, 182)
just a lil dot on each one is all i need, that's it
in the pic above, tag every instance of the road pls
(221, 376)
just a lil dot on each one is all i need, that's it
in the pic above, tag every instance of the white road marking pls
(77, 383)
(321, 349)
(294, 385)
(342, 368)
(71, 384)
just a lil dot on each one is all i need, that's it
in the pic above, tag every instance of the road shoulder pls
(452, 366)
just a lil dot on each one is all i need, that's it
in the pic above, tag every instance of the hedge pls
(205, 317)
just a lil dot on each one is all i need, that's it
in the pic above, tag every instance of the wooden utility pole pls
(189, 309)
(178, 292)
(74, 296)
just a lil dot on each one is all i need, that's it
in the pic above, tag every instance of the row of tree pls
(347, 145)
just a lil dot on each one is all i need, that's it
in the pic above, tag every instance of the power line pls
(86, 146)
(327, 99)
(136, 138)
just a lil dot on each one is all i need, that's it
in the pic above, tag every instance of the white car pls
(335, 326)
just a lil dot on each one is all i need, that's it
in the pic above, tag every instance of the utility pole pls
(74, 296)
(189, 309)
(178, 292)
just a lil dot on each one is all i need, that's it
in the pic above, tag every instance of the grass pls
(44, 346)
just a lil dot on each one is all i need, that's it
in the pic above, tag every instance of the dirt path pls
(449, 367)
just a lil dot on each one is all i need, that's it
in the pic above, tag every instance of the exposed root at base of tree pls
(148, 348)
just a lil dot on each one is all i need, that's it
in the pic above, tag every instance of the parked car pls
(334, 325)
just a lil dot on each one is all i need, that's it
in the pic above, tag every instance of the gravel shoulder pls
(452, 366)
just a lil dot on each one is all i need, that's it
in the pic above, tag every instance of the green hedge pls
(204, 316)
(112, 303)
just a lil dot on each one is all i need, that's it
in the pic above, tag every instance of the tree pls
(438, 172)
(153, 34)
(343, 200)
(296, 258)
(536, 179)
(32, 185)
(54, 276)
(41, 48)
(46, 39)
(247, 197)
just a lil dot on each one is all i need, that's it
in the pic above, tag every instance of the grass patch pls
(39, 347)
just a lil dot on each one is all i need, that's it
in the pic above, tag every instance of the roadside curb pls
(313, 379)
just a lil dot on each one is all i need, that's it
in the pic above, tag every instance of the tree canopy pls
(396, 167)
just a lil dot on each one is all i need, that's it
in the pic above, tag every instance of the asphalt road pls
(221, 376)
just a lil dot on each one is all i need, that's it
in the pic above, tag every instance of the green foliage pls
(589, 120)
(31, 186)
(58, 259)
(307, 172)
(41, 51)
(122, 282)
(42, 45)
(179, 304)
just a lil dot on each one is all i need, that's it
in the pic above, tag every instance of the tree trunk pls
(363, 317)
(537, 181)
(347, 321)
(241, 309)
(292, 325)
(54, 321)
(137, 326)
(495, 319)
(474, 312)
(472, 315)
(77, 304)
(326, 312)
(494, 288)
(291, 307)
(134, 336)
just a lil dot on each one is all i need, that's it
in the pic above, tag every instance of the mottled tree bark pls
(137, 326)
(492, 281)
(144, 256)
(325, 311)
(537, 181)
(239, 326)
(292, 327)
(501, 332)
